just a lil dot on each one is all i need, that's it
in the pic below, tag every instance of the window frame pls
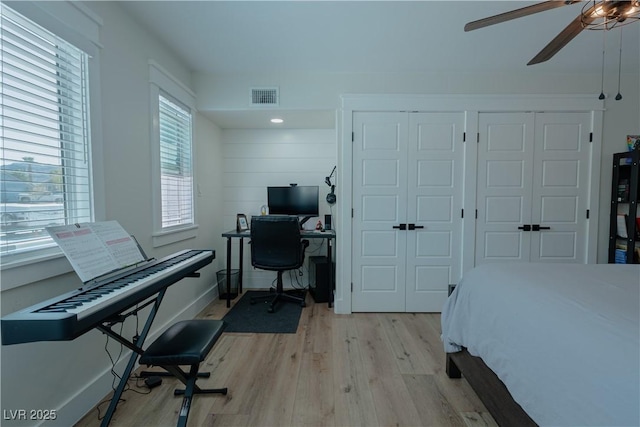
(78, 25)
(161, 82)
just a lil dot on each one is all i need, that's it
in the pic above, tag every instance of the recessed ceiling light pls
(277, 120)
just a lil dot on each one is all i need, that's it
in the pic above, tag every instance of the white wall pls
(255, 159)
(322, 91)
(72, 377)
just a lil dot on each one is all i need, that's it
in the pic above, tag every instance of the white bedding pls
(563, 338)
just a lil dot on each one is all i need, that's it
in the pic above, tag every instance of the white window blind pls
(44, 134)
(176, 171)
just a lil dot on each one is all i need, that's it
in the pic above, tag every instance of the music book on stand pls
(96, 248)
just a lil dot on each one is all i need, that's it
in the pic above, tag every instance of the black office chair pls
(276, 246)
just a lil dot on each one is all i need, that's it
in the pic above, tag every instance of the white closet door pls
(435, 181)
(560, 187)
(533, 171)
(505, 161)
(379, 205)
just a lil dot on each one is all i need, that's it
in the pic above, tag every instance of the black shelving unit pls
(625, 194)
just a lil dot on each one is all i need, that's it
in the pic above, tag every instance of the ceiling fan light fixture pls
(608, 14)
(635, 8)
(599, 12)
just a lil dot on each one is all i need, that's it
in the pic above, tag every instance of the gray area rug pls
(247, 317)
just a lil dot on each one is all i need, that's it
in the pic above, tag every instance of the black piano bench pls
(185, 343)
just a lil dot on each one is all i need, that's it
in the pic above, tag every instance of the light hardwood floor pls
(363, 369)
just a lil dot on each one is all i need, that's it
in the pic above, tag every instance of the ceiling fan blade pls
(561, 40)
(517, 13)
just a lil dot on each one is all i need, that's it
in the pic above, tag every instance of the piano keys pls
(70, 315)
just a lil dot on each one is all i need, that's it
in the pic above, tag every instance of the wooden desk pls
(329, 235)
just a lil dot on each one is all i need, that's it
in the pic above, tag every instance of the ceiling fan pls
(595, 15)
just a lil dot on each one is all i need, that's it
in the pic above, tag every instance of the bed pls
(561, 342)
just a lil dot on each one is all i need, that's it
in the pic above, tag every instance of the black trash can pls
(222, 283)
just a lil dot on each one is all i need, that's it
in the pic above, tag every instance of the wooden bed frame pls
(491, 391)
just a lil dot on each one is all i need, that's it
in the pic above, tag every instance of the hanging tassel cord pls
(604, 39)
(619, 95)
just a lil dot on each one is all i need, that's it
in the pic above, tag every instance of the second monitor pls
(297, 200)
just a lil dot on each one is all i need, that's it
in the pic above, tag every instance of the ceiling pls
(371, 37)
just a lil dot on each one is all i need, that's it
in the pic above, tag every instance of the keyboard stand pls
(136, 346)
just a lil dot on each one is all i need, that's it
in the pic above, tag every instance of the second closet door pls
(532, 187)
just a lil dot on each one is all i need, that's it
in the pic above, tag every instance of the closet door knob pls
(415, 227)
(525, 227)
(400, 226)
(538, 227)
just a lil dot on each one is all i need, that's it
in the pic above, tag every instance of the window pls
(173, 110)
(176, 177)
(44, 135)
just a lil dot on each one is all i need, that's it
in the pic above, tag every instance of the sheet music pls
(96, 248)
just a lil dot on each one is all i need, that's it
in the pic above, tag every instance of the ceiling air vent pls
(265, 96)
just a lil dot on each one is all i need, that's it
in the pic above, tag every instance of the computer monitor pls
(297, 200)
